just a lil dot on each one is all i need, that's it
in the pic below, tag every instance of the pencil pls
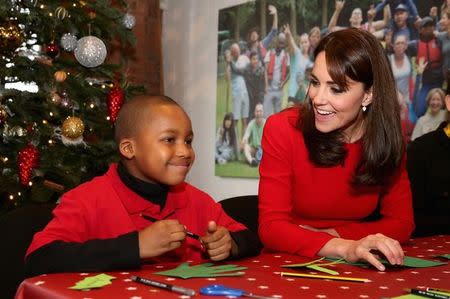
(427, 294)
(188, 233)
(325, 277)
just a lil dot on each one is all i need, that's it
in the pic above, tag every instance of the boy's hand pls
(218, 242)
(160, 237)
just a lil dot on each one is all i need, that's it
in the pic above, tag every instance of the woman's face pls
(254, 36)
(335, 108)
(227, 123)
(436, 103)
(400, 45)
(314, 39)
(304, 43)
(356, 18)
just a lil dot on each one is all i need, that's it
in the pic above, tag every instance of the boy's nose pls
(184, 150)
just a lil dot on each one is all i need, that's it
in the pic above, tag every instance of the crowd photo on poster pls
(265, 53)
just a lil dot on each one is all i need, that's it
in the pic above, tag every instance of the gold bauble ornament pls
(72, 127)
(61, 12)
(60, 76)
(11, 37)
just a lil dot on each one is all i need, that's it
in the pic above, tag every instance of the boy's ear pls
(126, 148)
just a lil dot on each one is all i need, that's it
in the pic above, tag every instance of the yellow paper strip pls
(325, 277)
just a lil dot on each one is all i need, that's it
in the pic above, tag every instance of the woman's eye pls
(314, 82)
(336, 90)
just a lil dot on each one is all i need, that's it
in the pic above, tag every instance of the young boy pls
(141, 209)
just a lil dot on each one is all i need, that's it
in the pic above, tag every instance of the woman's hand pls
(362, 249)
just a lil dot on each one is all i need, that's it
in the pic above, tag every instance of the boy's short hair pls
(132, 115)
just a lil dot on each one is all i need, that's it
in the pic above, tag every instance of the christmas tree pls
(59, 96)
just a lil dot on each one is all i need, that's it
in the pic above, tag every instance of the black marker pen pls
(170, 287)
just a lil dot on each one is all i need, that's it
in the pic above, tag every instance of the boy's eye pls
(189, 141)
(169, 140)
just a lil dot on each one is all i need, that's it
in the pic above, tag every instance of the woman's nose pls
(318, 95)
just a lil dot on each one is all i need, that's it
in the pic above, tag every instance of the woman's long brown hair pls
(356, 54)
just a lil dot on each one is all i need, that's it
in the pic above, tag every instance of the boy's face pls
(162, 149)
(254, 61)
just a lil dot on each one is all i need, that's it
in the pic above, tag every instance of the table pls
(262, 278)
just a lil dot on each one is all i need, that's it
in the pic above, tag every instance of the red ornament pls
(27, 159)
(115, 99)
(52, 50)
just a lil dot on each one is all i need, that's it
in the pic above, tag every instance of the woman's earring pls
(364, 108)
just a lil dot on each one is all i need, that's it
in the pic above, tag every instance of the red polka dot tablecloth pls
(262, 278)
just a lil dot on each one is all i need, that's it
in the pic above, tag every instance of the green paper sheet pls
(408, 261)
(93, 282)
(322, 269)
(203, 270)
(414, 262)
